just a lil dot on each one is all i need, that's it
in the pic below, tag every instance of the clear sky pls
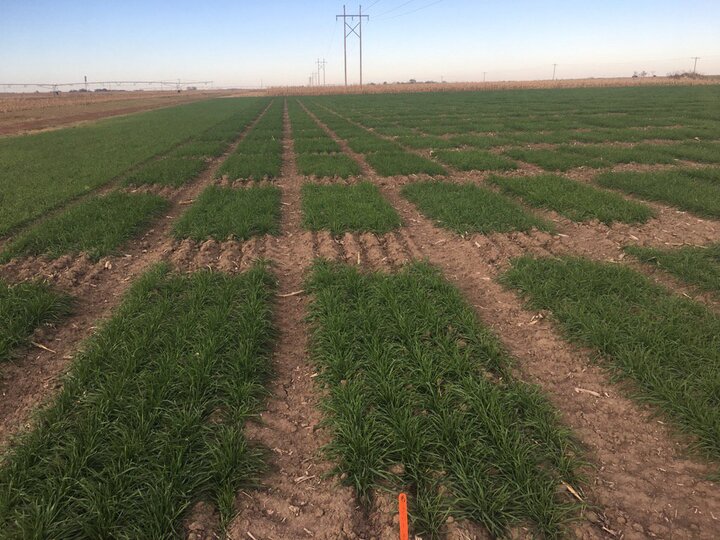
(275, 42)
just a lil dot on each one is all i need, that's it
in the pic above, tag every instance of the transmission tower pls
(321, 65)
(348, 29)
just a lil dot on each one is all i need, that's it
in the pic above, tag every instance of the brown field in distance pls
(400, 88)
(24, 112)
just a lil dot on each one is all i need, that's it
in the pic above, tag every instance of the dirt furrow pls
(375, 257)
(353, 250)
(328, 247)
(644, 484)
(97, 287)
(297, 499)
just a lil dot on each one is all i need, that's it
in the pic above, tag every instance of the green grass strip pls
(315, 145)
(477, 141)
(466, 208)
(352, 208)
(327, 165)
(366, 143)
(97, 226)
(574, 200)
(402, 163)
(553, 160)
(251, 166)
(698, 266)
(223, 213)
(611, 155)
(172, 171)
(151, 416)
(677, 188)
(200, 149)
(420, 398)
(259, 153)
(421, 142)
(701, 152)
(667, 345)
(43, 171)
(23, 308)
(475, 160)
(709, 174)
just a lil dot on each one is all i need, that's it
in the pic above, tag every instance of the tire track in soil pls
(36, 374)
(297, 500)
(645, 484)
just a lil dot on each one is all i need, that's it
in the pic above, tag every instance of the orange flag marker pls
(402, 509)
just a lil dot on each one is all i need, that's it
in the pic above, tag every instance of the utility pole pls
(360, 34)
(86, 83)
(321, 65)
(554, 68)
(484, 73)
(696, 58)
(344, 16)
(349, 29)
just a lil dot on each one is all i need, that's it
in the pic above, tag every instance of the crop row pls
(151, 416)
(459, 129)
(259, 154)
(43, 171)
(317, 154)
(419, 396)
(100, 225)
(386, 157)
(186, 161)
(584, 115)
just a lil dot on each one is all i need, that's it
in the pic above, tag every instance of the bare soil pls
(24, 113)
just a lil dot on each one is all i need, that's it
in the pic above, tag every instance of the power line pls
(371, 5)
(396, 8)
(409, 12)
(328, 49)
